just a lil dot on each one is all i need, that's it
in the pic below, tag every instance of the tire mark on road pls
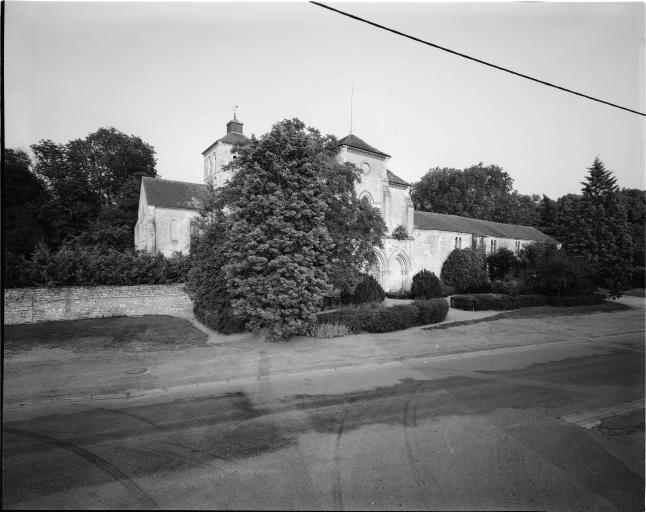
(409, 419)
(338, 492)
(165, 431)
(93, 459)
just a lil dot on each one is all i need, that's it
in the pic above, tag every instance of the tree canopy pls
(94, 185)
(482, 192)
(24, 204)
(293, 230)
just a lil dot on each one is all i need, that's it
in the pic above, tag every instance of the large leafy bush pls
(464, 270)
(425, 285)
(502, 263)
(546, 269)
(368, 290)
(294, 232)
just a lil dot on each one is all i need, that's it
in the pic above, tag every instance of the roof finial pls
(235, 110)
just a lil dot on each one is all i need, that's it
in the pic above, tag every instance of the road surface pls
(554, 426)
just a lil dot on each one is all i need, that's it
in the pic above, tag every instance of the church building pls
(167, 212)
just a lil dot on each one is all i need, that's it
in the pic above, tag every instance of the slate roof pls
(455, 223)
(355, 142)
(229, 138)
(172, 194)
(396, 180)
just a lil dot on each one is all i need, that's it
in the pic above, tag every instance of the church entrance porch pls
(393, 274)
(397, 275)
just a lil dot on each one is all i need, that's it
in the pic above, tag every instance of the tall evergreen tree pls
(599, 230)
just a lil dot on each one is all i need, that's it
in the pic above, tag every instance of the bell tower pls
(219, 154)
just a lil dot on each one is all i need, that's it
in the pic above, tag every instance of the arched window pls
(174, 233)
(366, 197)
(365, 168)
(493, 246)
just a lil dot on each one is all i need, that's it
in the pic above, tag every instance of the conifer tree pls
(599, 231)
(292, 232)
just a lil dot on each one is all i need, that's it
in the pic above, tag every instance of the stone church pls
(167, 212)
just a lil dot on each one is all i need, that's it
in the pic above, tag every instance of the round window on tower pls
(365, 168)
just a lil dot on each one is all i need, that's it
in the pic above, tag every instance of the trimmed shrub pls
(398, 295)
(464, 270)
(368, 290)
(501, 302)
(501, 263)
(578, 300)
(425, 285)
(431, 311)
(387, 319)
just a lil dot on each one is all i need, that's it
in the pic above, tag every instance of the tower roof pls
(234, 134)
(353, 141)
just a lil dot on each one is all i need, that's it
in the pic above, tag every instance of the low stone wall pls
(30, 305)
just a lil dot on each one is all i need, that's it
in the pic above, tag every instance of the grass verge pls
(129, 334)
(540, 312)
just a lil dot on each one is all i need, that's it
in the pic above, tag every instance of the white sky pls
(171, 73)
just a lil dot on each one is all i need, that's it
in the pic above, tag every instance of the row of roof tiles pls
(182, 194)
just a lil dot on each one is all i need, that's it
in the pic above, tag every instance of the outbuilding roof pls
(396, 180)
(173, 194)
(458, 224)
(355, 142)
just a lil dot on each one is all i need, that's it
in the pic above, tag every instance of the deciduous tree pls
(481, 192)
(94, 184)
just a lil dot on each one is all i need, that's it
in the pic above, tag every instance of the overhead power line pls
(465, 56)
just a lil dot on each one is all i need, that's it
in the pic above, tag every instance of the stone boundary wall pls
(31, 305)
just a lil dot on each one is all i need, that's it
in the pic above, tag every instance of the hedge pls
(388, 319)
(500, 302)
(94, 266)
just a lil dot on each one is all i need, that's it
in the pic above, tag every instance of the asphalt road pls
(558, 426)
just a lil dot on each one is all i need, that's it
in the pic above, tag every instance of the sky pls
(171, 74)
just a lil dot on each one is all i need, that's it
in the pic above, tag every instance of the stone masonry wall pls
(31, 305)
